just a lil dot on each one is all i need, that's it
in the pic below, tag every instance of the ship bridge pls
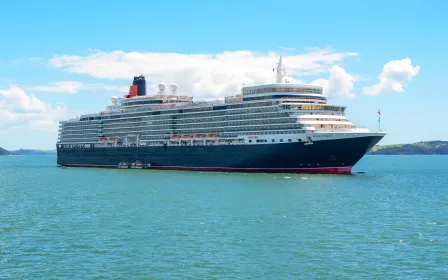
(295, 92)
(284, 90)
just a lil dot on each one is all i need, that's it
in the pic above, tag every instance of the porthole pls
(273, 140)
(281, 140)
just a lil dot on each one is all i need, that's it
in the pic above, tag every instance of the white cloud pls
(340, 84)
(394, 77)
(21, 109)
(74, 87)
(61, 87)
(206, 76)
(322, 82)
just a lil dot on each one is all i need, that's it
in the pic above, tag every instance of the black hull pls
(325, 156)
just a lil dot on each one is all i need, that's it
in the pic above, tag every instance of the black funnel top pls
(141, 84)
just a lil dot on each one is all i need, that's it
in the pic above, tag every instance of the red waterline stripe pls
(332, 170)
(90, 165)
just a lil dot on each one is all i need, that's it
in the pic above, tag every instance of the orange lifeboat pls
(200, 136)
(212, 135)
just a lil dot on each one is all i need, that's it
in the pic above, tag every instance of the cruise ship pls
(278, 127)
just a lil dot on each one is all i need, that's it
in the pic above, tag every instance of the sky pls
(61, 59)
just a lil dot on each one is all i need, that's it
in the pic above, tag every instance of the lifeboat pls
(187, 136)
(212, 135)
(175, 137)
(102, 140)
(137, 165)
(200, 136)
(111, 140)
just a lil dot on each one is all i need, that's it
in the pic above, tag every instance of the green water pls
(389, 223)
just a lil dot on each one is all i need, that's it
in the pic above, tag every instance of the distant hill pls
(26, 152)
(4, 152)
(420, 148)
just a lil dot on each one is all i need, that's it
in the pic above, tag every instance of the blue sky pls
(61, 59)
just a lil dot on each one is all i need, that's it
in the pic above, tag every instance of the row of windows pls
(164, 114)
(204, 108)
(77, 140)
(178, 111)
(214, 129)
(256, 120)
(243, 117)
(157, 129)
(273, 114)
(323, 113)
(121, 129)
(166, 136)
(314, 102)
(143, 102)
(246, 128)
(271, 132)
(298, 97)
(334, 126)
(78, 123)
(69, 135)
(88, 151)
(252, 115)
(313, 107)
(85, 138)
(199, 128)
(273, 140)
(77, 137)
(266, 90)
(121, 121)
(85, 124)
(77, 130)
(325, 119)
(268, 113)
(225, 134)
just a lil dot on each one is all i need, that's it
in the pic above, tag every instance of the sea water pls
(388, 221)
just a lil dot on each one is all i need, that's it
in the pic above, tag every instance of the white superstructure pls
(270, 113)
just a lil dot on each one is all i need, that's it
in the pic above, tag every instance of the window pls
(250, 141)
(289, 140)
(281, 140)
(273, 140)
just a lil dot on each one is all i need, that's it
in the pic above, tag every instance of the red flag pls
(379, 113)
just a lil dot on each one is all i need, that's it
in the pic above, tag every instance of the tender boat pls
(123, 165)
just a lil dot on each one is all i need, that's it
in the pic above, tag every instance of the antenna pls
(379, 120)
(281, 73)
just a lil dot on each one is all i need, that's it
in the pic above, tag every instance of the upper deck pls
(281, 88)
(137, 102)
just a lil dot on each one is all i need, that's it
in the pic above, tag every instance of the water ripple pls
(388, 222)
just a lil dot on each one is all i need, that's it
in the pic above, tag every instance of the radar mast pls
(281, 73)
